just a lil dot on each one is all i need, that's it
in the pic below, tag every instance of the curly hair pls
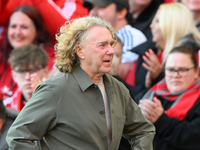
(72, 34)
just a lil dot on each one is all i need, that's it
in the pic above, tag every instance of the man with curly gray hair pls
(83, 107)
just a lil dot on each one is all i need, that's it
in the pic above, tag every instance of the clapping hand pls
(152, 110)
(152, 64)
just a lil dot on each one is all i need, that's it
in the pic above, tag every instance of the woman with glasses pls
(173, 25)
(173, 104)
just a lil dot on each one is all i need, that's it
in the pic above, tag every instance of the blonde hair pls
(72, 34)
(175, 22)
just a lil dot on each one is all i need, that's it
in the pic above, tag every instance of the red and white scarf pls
(15, 102)
(183, 101)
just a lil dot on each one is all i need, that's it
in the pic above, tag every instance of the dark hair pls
(42, 37)
(119, 41)
(2, 111)
(128, 16)
(28, 55)
(188, 51)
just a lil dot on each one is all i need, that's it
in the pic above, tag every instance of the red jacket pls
(54, 12)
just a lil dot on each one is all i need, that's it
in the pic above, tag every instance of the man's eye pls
(102, 45)
(112, 44)
(21, 72)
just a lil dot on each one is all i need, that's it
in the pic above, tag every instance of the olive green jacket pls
(66, 112)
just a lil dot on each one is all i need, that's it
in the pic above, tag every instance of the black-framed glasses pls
(181, 71)
(22, 73)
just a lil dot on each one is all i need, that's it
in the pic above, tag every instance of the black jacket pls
(173, 134)
(143, 21)
(140, 74)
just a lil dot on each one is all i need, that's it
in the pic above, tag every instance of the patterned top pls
(131, 37)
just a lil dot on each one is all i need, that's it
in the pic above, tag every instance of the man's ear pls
(1, 124)
(80, 52)
(122, 14)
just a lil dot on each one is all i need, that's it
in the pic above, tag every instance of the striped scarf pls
(183, 101)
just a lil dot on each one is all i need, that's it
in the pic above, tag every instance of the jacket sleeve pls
(181, 134)
(34, 121)
(138, 130)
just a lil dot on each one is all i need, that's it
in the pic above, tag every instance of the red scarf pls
(183, 101)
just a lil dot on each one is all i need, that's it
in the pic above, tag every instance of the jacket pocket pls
(120, 126)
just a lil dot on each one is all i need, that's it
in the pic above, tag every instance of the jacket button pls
(104, 137)
(102, 112)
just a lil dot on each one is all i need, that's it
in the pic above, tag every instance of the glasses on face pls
(22, 73)
(181, 71)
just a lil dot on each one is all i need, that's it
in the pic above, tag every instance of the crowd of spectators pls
(157, 58)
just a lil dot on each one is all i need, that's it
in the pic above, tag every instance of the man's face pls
(107, 13)
(137, 5)
(23, 78)
(97, 51)
(193, 5)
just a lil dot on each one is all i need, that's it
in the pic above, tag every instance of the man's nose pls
(110, 50)
(27, 75)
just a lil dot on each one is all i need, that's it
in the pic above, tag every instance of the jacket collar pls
(85, 82)
(82, 78)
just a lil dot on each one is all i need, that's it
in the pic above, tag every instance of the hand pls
(152, 110)
(153, 65)
(36, 80)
